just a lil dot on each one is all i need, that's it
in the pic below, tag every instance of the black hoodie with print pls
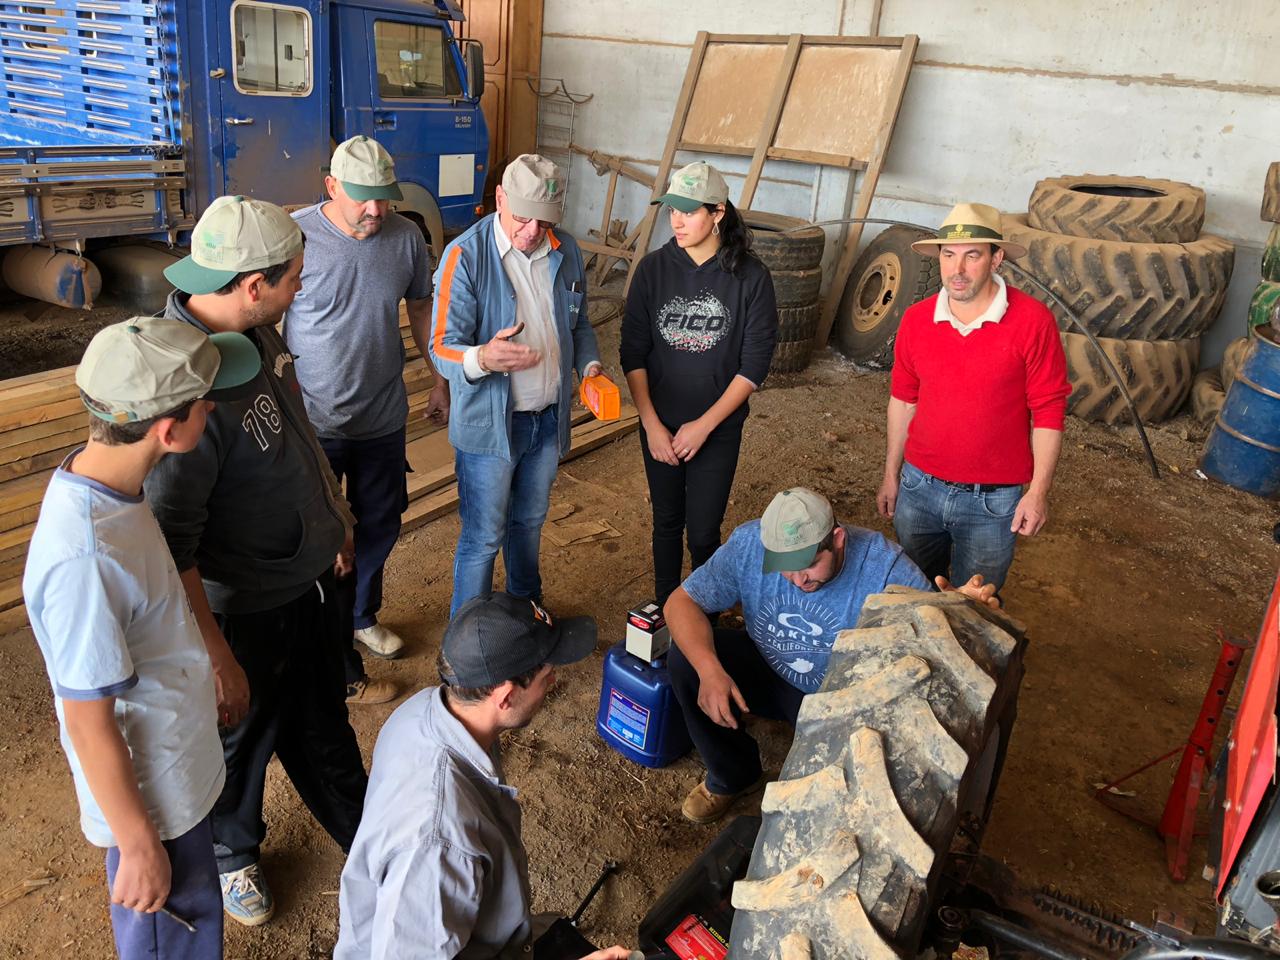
(694, 328)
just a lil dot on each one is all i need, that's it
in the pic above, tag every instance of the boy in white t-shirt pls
(132, 680)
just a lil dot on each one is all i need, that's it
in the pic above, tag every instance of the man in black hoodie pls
(255, 519)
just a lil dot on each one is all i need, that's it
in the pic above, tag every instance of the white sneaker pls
(380, 641)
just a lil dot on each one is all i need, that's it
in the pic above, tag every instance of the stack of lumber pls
(42, 420)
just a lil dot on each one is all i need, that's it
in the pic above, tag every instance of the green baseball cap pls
(534, 188)
(693, 185)
(365, 170)
(793, 526)
(236, 235)
(147, 366)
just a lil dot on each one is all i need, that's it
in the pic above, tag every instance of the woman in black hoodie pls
(697, 338)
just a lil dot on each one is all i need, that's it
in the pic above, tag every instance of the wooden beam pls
(769, 125)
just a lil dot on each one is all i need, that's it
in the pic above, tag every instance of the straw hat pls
(970, 223)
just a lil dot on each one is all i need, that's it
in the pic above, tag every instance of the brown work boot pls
(367, 691)
(703, 806)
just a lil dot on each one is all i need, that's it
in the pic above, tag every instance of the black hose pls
(1106, 360)
(1003, 929)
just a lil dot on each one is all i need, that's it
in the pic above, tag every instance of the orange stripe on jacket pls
(442, 309)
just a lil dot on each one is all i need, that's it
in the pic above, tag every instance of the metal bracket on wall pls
(557, 111)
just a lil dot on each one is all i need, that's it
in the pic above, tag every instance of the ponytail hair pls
(735, 239)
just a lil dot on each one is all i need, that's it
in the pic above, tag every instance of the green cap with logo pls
(148, 366)
(534, 188)
(693, 185)
(365, 170)
(236, 235)
(793, 526)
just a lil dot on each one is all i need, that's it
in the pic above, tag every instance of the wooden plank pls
(11, 593)
(669, 151)
(867, 189)
(26, 416)
(816, 157)
(15, 618)
(59, 441)
(34, 464)
(37, 431)
(729, 149)
(769, 125)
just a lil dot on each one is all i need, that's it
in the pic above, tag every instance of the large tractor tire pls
(1129, 291)
(888, 277)
(1132, 209)
(1158, 374)
(799, 248)
(904, 739)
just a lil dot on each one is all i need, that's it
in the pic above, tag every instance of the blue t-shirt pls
(343, 327)
(794, 630)
(112, 620)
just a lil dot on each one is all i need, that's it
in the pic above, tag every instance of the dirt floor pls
(1122, 593)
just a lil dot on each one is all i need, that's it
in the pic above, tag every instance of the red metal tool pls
(1177, 823)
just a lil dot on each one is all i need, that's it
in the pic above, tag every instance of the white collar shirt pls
(530, 276)
(993, 314)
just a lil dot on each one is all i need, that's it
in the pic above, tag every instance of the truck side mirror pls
(475, 69)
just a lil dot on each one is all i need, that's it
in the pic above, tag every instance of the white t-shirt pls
(112, 620)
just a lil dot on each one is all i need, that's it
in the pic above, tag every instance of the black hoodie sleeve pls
(637, 321)
(760, 331)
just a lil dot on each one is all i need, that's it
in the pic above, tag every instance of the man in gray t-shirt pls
(344, 332)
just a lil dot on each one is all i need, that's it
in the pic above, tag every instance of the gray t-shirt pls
(344, 325)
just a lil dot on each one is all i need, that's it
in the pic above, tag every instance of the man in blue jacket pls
(509, 328)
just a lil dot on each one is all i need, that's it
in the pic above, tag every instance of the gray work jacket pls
(437, 869)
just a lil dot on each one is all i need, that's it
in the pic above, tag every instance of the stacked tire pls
(794, 260)
(1128, 258)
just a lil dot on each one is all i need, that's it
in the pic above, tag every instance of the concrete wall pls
(1003, 92)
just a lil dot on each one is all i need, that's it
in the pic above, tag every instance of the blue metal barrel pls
(1243, 449)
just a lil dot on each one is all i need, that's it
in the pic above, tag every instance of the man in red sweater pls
(978, 398)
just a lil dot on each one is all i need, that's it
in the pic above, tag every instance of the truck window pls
(413, 62)
(272, 49)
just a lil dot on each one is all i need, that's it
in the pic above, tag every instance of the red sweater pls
(978, 397)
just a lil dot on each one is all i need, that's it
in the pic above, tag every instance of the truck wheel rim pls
(876, 292)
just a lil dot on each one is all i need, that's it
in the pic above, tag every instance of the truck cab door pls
(417, 111)
(274, 101)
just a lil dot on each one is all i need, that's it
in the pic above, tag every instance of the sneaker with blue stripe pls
(246, 897)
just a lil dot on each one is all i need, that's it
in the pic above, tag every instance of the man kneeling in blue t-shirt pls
(826, 570)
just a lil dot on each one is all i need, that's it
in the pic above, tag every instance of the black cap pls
(495, 637)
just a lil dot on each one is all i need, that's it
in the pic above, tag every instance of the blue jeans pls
(502, 504)
(194, 895)
(954, 532)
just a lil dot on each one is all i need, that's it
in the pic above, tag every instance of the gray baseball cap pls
(534, 187)
(495, 637)
(693, 185)
(365, 170)
(794, 524)
(148, 366)
(236, 235)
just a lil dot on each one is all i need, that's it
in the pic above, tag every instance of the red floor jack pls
(1177, 823)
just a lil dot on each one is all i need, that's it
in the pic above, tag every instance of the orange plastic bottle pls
(600, 395)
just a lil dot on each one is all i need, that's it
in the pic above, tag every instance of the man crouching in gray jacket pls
(255, 518)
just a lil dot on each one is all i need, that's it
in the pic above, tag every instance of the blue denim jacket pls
(474, 299)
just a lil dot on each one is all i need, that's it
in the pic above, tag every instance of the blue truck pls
(126, 119)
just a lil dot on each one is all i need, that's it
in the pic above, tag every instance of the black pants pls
(732, 757)
(689, 497)
(292, 656)
(376, 487)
